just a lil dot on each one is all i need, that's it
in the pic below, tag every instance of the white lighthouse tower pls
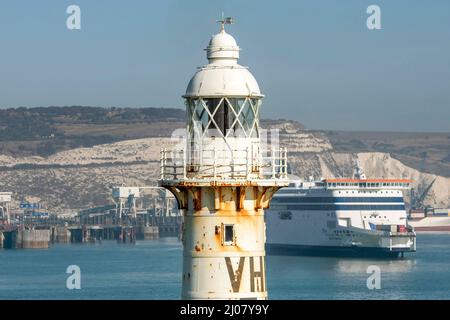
(223, 179)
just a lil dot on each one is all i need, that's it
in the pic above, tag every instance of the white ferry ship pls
(340, 217)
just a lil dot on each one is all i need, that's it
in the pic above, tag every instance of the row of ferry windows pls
(367, 184)
(287, 215)
(336, 199)
(344, 232)
(379, 217)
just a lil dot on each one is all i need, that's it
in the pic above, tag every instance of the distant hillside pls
(426, 152)
(27, 132)
(45, 131)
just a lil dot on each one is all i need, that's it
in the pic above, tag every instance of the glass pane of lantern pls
(247, 117)
(212, 105)
(198, 110)
(250, 117)
(202, 115)
(223, 111)
(189, 115)
(221, 115)
(204, 119)
(243, 105)
(256, 103)
(255, 132)
(230, 104)
(213, 131)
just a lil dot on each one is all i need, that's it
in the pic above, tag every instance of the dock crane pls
(417, 202)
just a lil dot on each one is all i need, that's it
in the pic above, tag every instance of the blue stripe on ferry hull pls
(330, 251)
(334, 207)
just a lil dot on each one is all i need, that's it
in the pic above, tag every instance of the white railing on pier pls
(216, 164)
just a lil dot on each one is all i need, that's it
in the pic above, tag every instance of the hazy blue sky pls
(315, 61)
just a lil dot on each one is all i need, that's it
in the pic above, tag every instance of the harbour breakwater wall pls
(123, 234)
(41, 239)
(25, 239)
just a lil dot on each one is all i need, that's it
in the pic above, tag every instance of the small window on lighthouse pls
(228, 235)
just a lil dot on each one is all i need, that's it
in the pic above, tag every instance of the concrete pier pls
(147, 233)
(127, 235)
(76, 235)
(34, 239)
(40, 235)
(26, 239)
(123, 234)
(94, 234)
(9, 241)
(60, 234)
(83, 234)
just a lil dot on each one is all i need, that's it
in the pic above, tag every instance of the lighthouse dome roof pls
(223, 76)
(212, 81)
(223, 39)
(222, 46)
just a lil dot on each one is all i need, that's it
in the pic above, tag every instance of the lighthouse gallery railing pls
(239, 164)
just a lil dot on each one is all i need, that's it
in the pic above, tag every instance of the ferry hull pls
(330, 251)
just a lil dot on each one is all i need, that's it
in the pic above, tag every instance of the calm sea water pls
(151, 270)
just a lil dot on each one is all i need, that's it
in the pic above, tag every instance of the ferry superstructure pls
(334, 217)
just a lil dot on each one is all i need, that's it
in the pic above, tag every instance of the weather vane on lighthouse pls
(223, 178)
(223, 21)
